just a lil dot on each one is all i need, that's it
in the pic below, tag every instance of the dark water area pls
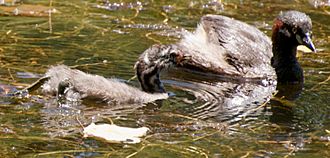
(207, 117)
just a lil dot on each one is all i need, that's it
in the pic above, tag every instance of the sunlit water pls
(206, 117)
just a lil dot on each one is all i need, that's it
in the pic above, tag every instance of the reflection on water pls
(206, 116)
(223, 101)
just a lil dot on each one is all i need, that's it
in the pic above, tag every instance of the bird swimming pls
(233, 49)
(75, 85)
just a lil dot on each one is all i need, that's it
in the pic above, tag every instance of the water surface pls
(205, 118)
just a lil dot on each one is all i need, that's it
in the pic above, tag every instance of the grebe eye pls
(173, 56)
(311, 34)
(294, 30)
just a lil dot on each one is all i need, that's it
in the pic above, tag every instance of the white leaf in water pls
(114, 133)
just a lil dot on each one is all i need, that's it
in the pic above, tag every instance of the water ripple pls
(223, 101)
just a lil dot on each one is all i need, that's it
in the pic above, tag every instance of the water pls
(205, 118)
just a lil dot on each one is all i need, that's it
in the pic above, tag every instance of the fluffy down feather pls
(111, 91)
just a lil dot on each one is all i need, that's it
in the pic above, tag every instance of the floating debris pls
(115, 134)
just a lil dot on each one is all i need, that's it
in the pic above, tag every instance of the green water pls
(106, 39)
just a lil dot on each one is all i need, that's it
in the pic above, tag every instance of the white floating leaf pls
(114, 133)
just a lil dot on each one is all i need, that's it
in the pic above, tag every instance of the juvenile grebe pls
(228, 47)
(75, 85)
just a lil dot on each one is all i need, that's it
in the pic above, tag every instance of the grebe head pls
(151, 62)
(293, 27)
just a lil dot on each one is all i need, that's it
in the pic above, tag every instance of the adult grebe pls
(228, 47)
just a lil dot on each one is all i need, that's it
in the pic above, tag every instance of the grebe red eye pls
(311, 34)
